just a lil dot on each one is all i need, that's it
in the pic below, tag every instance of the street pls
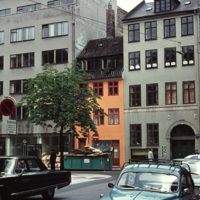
(86, 185)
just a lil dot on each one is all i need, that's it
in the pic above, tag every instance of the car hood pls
(138, 195)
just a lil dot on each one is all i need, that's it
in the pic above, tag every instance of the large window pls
(113, 88)
(1, 87)
(18, 86)
(134, 95)
(113, 115)
(150, 30)
(169, 28)
(188, 92)
(5, 12)
(152, 94)
(22, 60)
(170, 57)
(162, 5)
(27, 8)
(98, 118)
(170, 93)
(1, 37)
(151, 59)
(53, 3)
(1, 62)
(22, 34)
(152, 134)
(65, 2)
(21, 113)
(135, 135)
(134, 61)
(134, 33)
(98, 88)
(55, 29)
(58, 56)
(188, 55)
(187, 26)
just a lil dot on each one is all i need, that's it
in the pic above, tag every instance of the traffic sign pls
(95, 137)
(7, 107)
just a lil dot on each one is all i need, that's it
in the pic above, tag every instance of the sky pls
(129, 4)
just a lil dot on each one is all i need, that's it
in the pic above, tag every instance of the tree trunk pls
(61, 149)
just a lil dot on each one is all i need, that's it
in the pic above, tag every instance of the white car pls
(194, 157)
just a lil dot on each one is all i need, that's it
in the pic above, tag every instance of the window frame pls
(186, 53)
(187, 25)
(98, 89)
(133, 32)
(99, 118)
(152, 130)
(187, 92)
(169, 28)
(5, 12)
(1, 62)
(135, 96)
(135, 135)
(114, 114)
(160, 7)
(170, 60)
(113, 88)
(171, 92)
(151, 57)
(135, 59)
(1, 87)
(150, 31)
(18, 35)
(18, 86)
(151, 94)
(2, 37)
(18, 60)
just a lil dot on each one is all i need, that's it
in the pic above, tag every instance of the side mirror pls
(110, 185)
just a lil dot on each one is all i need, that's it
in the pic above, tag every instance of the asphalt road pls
(86, 185)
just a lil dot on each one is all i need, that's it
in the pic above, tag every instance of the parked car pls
(22, 176)
(153, 180)
(194, 167)
(194, 157)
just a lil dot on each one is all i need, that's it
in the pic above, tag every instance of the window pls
(188, 92)
(187, 26)
(22, 34)
(170, 57)
(134, 33)
(57, 29)
(1, 87)
(134, 95)
(113, 88)
(22, 60)
(89, 65)
(188, 55)
(109, 63)
(98, 88)
(152, 94)
(5, 12)
(65, 2)
(150, 30)
(98, 118)
(18, 86)
(1, 62)
(151, 59)
(58, 56)
(53, 3)
(162, 5)
(1, 37)
(135, 135)
(21, 113)
(170, 93)
(134, 61)
(152, 134)
(169, 28)
(113, 115)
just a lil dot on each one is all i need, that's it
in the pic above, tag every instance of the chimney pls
(110, 25)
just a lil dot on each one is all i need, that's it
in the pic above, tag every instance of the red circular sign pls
(7, 107)
(95, 137)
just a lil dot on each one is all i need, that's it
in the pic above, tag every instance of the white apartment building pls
(32, 33)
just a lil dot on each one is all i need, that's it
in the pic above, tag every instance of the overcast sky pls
(128, 4)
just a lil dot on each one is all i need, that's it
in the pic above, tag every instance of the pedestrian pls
(53, 159)
(196, 152)
(150, 154)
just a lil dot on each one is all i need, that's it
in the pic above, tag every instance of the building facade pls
(32, 34)
(161, 79)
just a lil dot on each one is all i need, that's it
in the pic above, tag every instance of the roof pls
(102, 48)
(146, 9)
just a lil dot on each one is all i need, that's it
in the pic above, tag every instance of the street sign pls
(95, 137)
(7, 107)
(11, 126)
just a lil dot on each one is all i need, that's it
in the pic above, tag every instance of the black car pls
(22, 176)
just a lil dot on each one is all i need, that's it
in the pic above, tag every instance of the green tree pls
(55, 100)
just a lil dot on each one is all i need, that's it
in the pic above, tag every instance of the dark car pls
(22, 176)
(147, 180)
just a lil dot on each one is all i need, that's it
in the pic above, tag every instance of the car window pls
(33, 165)
(6, 165)
(149, 181)
(21, 166)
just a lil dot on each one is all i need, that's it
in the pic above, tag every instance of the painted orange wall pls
(106, 131)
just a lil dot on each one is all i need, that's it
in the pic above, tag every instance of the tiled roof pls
(102, 48)
(146, 9)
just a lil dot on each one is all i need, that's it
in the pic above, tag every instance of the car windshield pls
(194, 167)
(6, 165)
(148, 181)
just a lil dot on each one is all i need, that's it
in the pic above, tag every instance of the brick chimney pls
(110, 25)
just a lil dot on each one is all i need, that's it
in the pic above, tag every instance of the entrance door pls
(115, 155)
(82, 143)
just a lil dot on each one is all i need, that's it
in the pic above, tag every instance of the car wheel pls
(48, 194)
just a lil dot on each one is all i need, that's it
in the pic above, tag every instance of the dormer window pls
(162, 5)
